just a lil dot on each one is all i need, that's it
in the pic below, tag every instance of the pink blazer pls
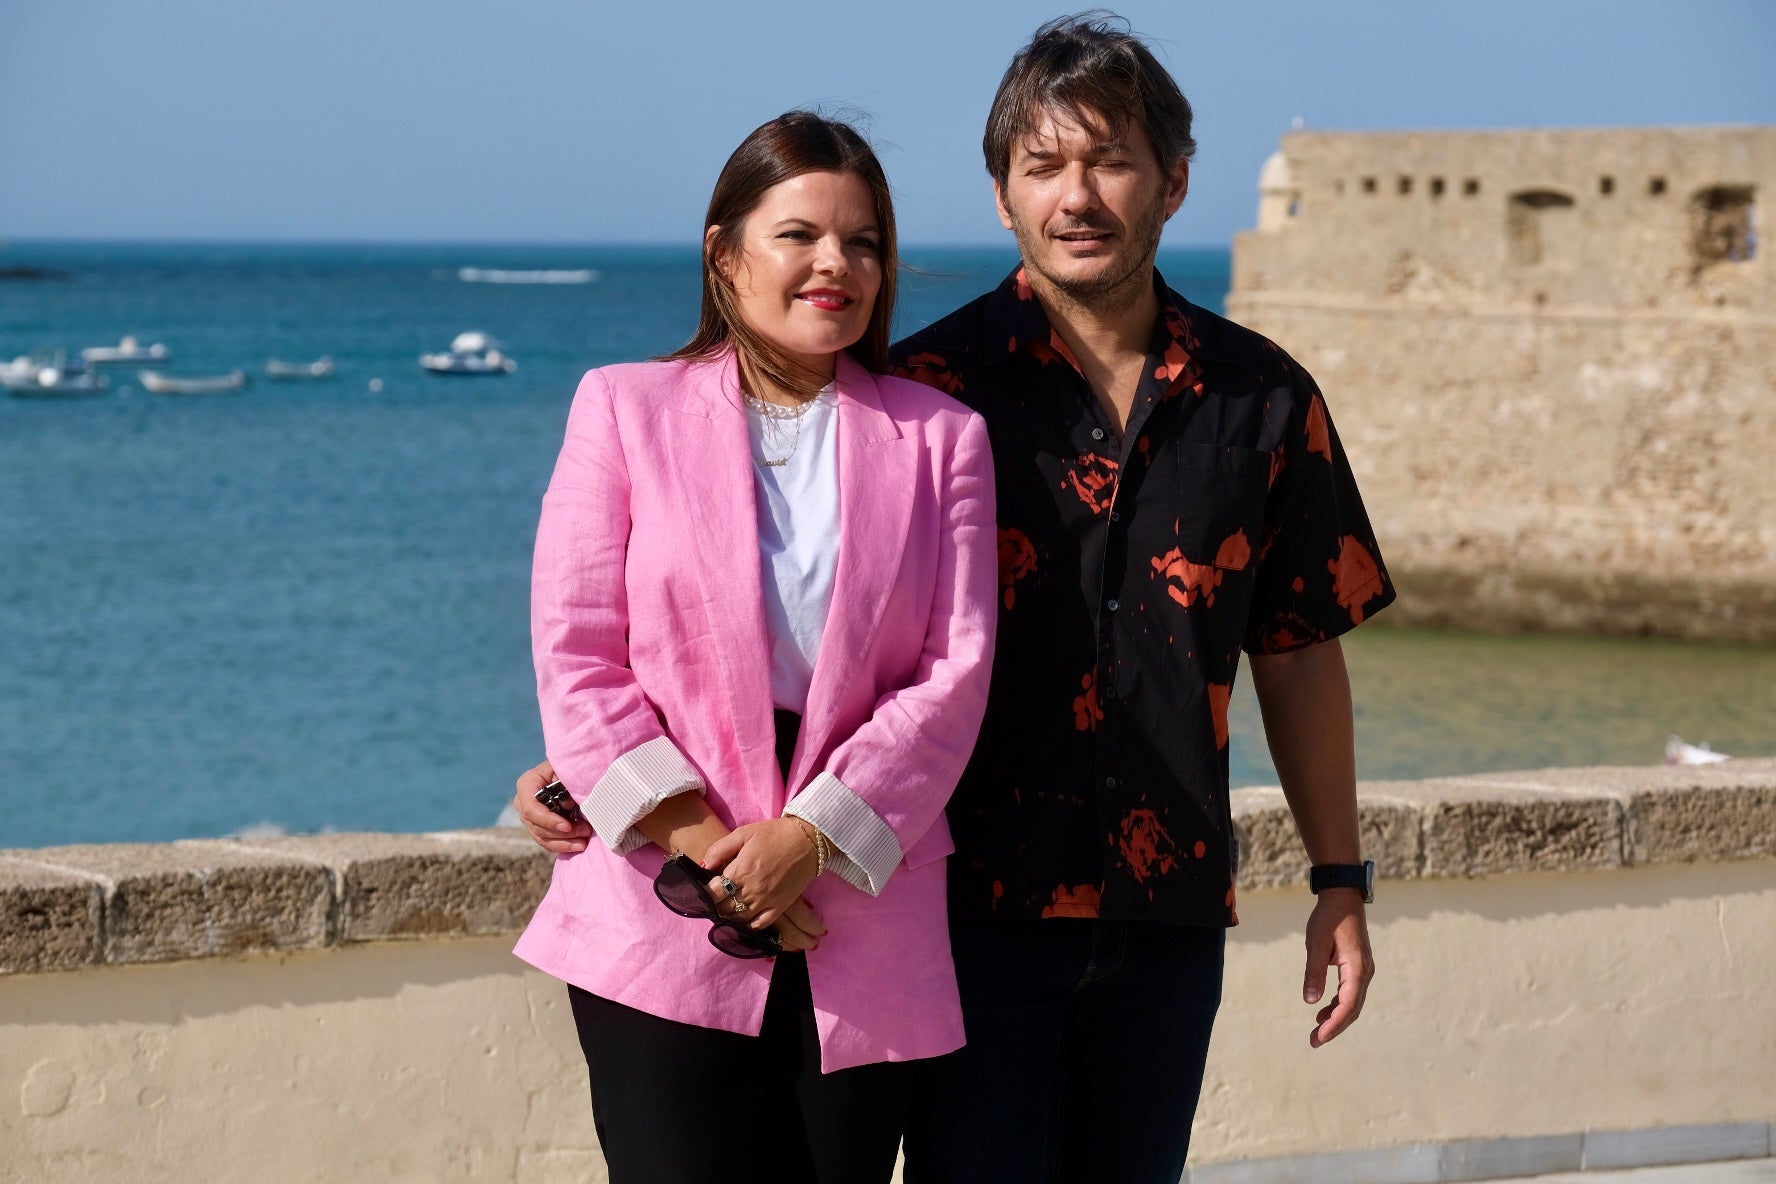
(648, 621)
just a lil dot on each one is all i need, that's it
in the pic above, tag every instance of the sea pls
(303, 607)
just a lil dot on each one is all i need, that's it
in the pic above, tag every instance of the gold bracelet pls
(822, 847)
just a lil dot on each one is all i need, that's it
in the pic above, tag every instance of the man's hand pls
(551, 831)
(1337, 935)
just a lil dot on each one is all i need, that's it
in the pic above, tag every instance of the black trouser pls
(678, 1103)
(675, 1102)
(1085, 1054)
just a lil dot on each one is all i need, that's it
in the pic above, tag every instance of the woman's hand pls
(551, 831)
(772, 863)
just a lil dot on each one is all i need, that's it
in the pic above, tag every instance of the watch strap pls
(1360, 876)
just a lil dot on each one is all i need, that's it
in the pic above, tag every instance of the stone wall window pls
(1723, 224)
(1471, 187)
(1368, 184)
(1405, 186)
(1656, 187)
(1533, 218)
(1606, 185)
(1436, 186)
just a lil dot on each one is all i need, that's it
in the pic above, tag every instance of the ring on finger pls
(731, 888)
(741, 908)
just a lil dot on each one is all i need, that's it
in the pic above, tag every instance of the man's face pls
(1087, 205)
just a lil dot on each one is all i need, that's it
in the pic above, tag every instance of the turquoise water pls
(305, 605)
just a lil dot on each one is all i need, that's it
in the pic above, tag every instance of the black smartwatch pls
(1344, 875)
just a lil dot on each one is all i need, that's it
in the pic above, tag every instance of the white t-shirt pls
(798, 525)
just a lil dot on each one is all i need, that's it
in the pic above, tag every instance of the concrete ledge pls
(415, 886)
(1500, 1159)
(165, 901)
(63, 908)
(49, 920)
(1540, 820)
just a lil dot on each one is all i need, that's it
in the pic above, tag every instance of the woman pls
(758, 530)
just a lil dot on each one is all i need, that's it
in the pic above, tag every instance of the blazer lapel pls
(877, 467)
(711, 457)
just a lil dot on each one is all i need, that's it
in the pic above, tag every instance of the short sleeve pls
(1320, 572)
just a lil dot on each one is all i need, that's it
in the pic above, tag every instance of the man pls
(1171, 491)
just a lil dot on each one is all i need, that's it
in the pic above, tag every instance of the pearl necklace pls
(773, 414)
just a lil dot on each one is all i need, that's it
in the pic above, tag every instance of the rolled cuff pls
(868, 851)
(632, 787)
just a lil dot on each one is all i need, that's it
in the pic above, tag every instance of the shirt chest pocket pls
(1219, 495)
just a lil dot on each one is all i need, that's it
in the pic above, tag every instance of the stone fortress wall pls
(1575, 970)
(1552, 357)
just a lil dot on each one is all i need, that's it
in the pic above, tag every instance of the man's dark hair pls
(1090, 67)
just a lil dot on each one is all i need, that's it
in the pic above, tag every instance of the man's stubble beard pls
(1105, 294)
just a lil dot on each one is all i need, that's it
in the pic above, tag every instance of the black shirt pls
(1132, 572)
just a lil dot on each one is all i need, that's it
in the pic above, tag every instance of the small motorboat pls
(127, 350)
(1679, 753)
(164, 384)
(20, 369)
(500, 275)
(52, 381)
(470, 353)
(299, 371)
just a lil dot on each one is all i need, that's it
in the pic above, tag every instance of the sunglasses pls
(555, 796)
(683, 887)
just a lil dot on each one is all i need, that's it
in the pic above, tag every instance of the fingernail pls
(1310, 995)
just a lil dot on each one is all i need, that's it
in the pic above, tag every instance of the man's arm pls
(1306, 701)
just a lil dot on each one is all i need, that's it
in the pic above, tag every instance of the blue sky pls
(540, 121)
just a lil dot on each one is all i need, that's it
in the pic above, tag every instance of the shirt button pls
(1113, 605)
(1109, 783)
(1116, 515)
(1110, 691)
(1097, 433)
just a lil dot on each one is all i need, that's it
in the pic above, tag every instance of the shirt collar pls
(1183, 336)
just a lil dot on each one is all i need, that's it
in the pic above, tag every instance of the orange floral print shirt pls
(1132, 573)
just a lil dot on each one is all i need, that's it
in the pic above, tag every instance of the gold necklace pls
(772, 413)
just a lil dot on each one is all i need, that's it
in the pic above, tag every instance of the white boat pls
(1679, 753)
(299, 371)
(50, 382)
(500, 275)
(127, 350)
(19, 369)
(220, 384)
(470, 353)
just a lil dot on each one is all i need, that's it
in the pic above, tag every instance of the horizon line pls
(8, 242)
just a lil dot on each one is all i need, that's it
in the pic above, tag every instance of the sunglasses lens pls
(743, 943)
(683, 895)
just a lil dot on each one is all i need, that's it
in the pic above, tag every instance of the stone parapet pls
(1538, 821)
(64, 908)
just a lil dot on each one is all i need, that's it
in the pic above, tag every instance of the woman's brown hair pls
(794, 143)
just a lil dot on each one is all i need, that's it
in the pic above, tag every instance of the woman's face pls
(809, 266)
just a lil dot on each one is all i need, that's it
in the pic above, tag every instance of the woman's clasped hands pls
(771, 863)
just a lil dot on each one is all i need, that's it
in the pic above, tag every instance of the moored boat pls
(127, 350)
(52, 382)
(165, 384)
(470, 353)
(501, 275)
(299, 371)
